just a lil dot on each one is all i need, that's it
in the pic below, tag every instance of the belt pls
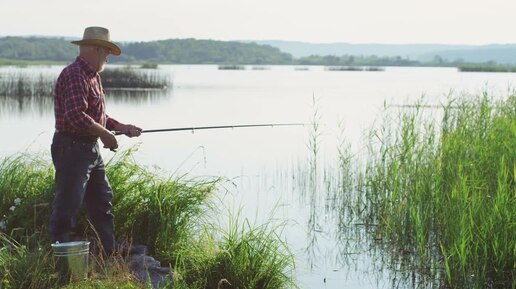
(79, 137)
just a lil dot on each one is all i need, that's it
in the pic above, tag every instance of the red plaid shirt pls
(79, 100)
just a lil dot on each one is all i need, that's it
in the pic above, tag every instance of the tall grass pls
(175, 217)
(26, 85)
(247, 256)
(26, 191)
(444, 193)
(159, 212)
(25, 266)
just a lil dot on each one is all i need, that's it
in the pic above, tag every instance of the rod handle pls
(120, 132)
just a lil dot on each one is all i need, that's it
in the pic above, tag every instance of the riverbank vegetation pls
(442, 194)
(174, 217)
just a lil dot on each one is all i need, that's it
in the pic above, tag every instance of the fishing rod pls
(211, 127)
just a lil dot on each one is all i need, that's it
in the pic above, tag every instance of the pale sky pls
(320, 21)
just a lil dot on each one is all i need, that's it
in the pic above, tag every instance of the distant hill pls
(502, 53)
(195, 51)
(499, 53)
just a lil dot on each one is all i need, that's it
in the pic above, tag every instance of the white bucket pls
(72, 259)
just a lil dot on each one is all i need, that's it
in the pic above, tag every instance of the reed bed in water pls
(353, 68)
(486, 67)
(173, 216)
(231, 67)
(26, 84)
(443, 195)
(128, 78)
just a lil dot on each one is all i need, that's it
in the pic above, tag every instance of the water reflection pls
(26, 105)
(43, 105)
(336, 234)
(137, 97)
(337, 231)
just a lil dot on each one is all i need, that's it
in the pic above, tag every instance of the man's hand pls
(109, 140)
(131, 130)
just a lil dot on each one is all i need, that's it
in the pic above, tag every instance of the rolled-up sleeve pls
(111, 123)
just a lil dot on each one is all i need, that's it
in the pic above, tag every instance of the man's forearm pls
(107, 138)
(97, 130)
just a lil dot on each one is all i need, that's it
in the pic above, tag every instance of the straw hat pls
(98, 36)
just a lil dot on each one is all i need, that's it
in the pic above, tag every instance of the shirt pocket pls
(95, 98)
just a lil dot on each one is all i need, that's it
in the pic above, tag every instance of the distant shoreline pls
(468, 67)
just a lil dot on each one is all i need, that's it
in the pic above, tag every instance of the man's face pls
(102, 54)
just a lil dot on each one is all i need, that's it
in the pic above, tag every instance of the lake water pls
(264, 165)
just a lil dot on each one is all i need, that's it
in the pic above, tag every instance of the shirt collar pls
(86, 66)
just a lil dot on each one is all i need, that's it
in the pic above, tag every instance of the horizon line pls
(279, 40)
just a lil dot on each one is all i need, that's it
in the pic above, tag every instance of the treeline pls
(24, 50)
(191, 51)
(36, 49)
(173, 51)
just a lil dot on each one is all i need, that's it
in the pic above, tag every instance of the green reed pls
(443, 193)
(246, 255)
(159, 212)
(26, 85)
(25, 266)
(26, 191)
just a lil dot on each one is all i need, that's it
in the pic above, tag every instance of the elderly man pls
(81, 119)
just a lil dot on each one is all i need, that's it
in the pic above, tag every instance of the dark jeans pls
(80, 177)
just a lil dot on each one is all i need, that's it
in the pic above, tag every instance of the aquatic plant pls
(443, 193)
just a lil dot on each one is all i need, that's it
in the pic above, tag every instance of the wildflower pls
(17, 201)
(12, 208)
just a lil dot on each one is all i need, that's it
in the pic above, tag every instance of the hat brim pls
(112, 47)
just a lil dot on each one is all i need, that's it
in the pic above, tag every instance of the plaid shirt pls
(79, 100)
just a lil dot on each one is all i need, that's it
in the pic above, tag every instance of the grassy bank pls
(442, 195)
(173, 216)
